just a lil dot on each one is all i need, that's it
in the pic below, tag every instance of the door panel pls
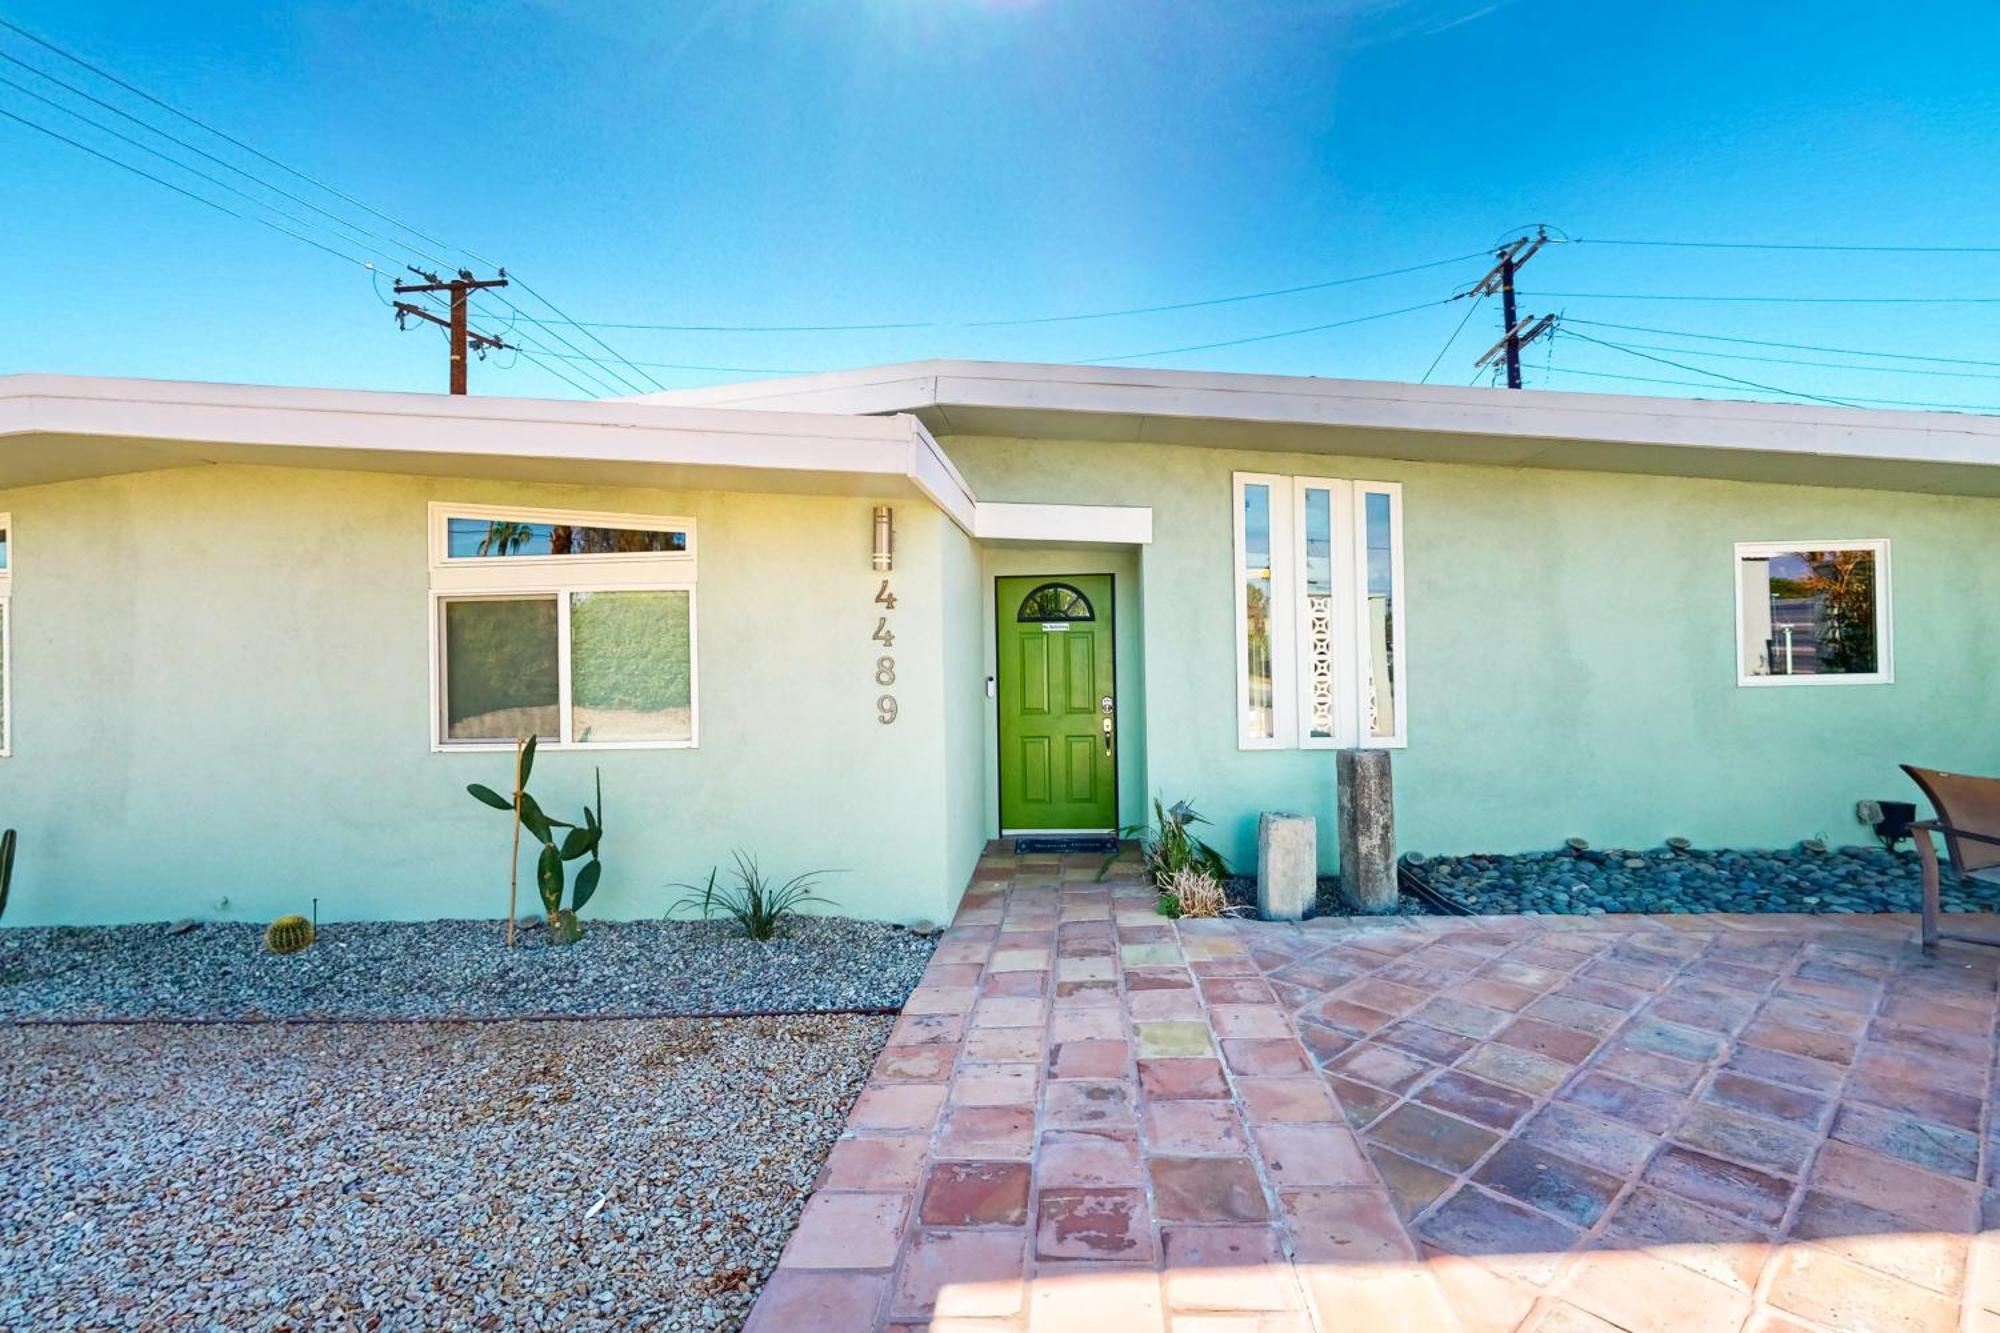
(1035, 676)
(1058, 767)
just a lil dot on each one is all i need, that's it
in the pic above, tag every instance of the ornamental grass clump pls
(750, 898)
(1192, 892)
(1188, 872)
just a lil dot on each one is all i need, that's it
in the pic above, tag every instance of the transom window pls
(1055, 602)
(473, 538)
(1813, 613)
(1319, 575)
(578, 629)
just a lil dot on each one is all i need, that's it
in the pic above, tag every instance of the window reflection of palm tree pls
(505, 538)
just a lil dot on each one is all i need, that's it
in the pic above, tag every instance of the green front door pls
(1058, 703)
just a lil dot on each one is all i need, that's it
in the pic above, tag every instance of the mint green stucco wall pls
(220, 691)
(965, 711)
(1570, 653)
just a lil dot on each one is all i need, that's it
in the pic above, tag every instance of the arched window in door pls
(1055, 602)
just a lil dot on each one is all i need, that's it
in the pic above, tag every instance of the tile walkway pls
(1090, 1118)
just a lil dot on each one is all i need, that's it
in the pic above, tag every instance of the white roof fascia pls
(337, 421)
(1097, 525)
(1283, 400)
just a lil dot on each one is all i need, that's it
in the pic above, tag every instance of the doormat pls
(1051, 844)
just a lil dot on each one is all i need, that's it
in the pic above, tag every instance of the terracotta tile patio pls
(1090, 1118)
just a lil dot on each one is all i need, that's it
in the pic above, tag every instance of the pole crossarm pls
(462, 337)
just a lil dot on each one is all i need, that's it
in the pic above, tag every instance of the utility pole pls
(1517, 331)
(461, 337)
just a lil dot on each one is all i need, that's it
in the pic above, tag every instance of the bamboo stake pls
(514, 870)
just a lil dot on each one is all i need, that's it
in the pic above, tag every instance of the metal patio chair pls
(1968, 818)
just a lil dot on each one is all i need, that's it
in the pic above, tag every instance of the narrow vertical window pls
(1260, 715)
(1381, 567)
(1325, 614)
(1265, 708)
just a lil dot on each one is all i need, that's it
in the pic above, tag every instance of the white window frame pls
(511, 578)
(1885, 653)
(1291, 684)
(1284, 699)
(7, 637)
(1399, 664)
(1346, 663)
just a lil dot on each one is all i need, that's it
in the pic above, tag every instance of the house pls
(258, 640)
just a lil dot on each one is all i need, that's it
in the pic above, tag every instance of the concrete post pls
(1367, 830)
(1287, 866)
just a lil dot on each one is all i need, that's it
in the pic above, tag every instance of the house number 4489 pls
(885, 665)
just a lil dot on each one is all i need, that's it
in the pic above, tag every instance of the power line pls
(1776, 300)
(684, 365)
(203, 125)
(1782, 245)
(168, 158)
(1821, 365)
(1767, 342)
(622, 358)
(517, 311)
(1268, 337)
(1033, 320)
(1470, 310)
(1222, 300)
(1981, 408)
(1697, 370)
(200, 199)
(204, 153)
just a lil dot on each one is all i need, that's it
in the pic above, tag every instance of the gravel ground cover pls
(629, 1174)
(1327, 898)
(454, 969)
(1846, 879)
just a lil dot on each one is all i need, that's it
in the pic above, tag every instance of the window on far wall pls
(1813, 613)
(575, 628)
(1318, 613)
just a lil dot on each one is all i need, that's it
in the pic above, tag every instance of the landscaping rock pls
(607, 1175)
(1681, 879)
(1367, 817)
(440, 969)
(1287, 866)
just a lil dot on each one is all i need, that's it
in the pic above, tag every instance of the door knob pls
(1107, 735)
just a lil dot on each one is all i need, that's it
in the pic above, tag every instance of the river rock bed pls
(577, 1175)
(455, 969)
(1596, 882)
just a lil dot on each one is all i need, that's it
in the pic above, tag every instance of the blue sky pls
(950, 161)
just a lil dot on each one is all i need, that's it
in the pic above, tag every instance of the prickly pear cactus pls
(288, 934)
(564, 928)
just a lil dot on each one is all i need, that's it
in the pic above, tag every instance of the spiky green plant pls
(751, 899)
(551, 862)
(6, 867)
(288, 934)
(1171, 845)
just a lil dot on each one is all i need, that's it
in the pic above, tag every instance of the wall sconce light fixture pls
(885, 540)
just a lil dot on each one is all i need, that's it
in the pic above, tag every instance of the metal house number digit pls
(886, 707)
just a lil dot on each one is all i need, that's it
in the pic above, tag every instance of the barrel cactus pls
(288, 934)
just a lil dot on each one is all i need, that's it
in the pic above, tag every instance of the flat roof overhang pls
(56, 428)
(1799, 444)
